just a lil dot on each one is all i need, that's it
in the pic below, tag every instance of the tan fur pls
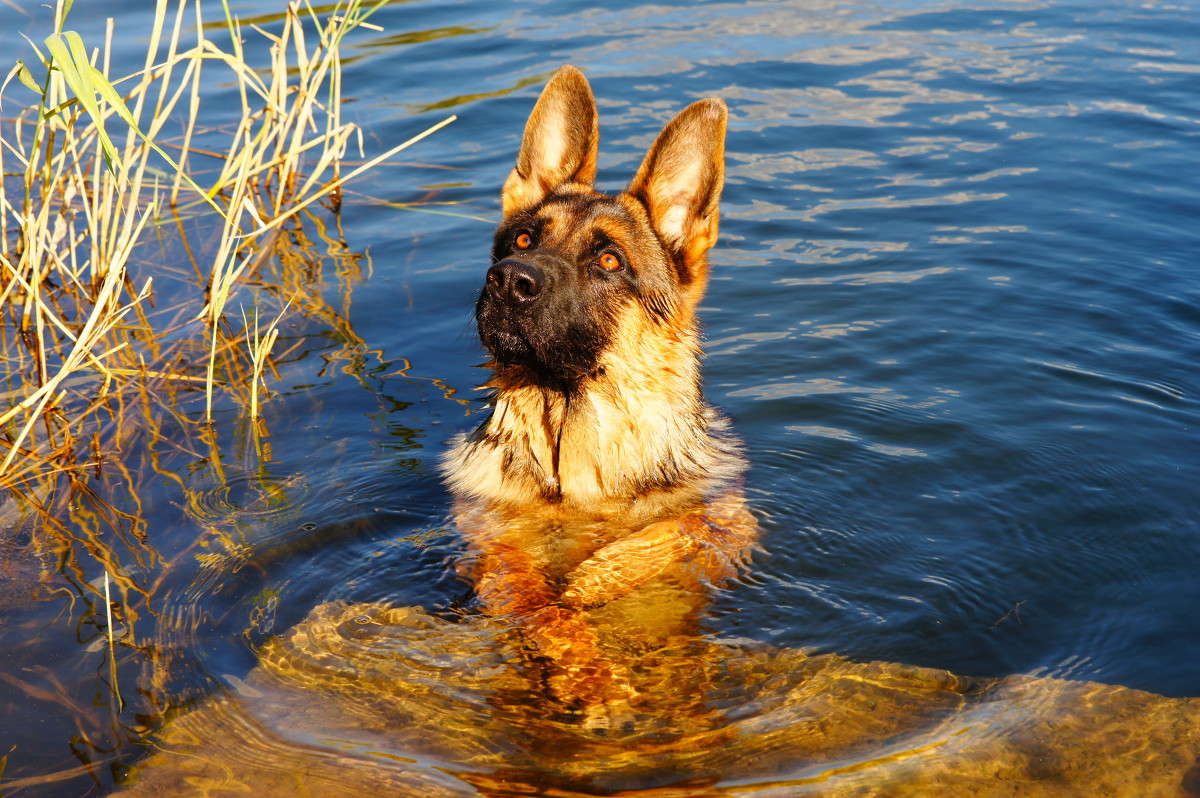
(582, 491)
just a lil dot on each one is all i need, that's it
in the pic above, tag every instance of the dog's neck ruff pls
(600, 447)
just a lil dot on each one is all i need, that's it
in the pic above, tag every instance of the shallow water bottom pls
(366, 699)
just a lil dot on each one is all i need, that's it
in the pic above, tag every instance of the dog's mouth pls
(506, 340)
(552, 338)
(522, 340)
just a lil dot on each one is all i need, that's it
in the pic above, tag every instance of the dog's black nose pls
(515, 282)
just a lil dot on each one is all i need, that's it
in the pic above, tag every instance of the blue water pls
(954, 312)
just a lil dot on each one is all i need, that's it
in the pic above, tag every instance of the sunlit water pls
(954, 312)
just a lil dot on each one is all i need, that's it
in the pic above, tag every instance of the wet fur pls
(601, 466)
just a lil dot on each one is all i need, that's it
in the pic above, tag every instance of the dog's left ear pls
(680, 183)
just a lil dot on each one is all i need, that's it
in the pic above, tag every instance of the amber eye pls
(523, 241)
(609, 262)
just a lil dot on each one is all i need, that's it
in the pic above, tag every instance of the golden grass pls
(74, 329)
(100, 178)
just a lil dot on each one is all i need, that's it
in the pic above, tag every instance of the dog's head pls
(574, 271)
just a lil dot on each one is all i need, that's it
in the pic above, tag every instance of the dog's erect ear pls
(680, 183)
(560, 142)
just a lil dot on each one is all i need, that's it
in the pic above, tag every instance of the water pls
(953, 312)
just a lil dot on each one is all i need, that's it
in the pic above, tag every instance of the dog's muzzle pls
(515, 283)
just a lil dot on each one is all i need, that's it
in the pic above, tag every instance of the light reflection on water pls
(361, 697)
(954, 312)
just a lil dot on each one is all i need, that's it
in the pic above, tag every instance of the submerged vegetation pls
(148, 259)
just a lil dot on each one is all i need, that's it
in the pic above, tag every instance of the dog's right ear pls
(560, 143)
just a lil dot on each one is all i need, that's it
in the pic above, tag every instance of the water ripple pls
(245, 497)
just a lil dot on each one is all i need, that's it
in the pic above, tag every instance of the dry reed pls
(74, 329)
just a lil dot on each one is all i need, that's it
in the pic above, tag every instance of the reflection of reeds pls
(101, 374)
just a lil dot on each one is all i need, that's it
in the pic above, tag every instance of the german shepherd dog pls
(601, 496)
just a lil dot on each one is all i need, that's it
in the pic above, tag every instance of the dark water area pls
(954, 312)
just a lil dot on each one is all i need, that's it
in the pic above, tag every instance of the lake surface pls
(954, 312)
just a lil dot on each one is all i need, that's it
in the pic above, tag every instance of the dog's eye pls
(609, 262)
(523, 241)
